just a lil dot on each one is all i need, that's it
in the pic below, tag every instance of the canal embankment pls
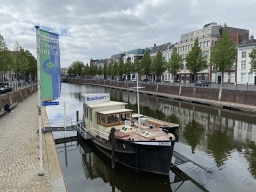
(19, 148)
(223, 98)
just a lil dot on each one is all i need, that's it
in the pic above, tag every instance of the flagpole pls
(41, 173)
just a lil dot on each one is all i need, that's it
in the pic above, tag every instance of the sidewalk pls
(19, 149)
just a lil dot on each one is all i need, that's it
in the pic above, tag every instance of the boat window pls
(101, 119)
(125, 116)
(113, 119)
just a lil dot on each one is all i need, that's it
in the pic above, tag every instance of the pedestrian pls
(7, 108)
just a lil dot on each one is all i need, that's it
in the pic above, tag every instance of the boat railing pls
(100, 134)
(80, 128)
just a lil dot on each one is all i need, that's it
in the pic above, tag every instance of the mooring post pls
(77, 119)
(113, 142)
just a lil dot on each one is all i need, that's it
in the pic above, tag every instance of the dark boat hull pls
(147, 156)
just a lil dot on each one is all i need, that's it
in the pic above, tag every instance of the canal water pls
(222, 141)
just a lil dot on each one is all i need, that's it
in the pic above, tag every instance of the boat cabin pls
(103, 114)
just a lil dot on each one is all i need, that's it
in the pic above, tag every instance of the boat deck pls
(155, 134)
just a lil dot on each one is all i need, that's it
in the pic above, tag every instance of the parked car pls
(134, 80)
(145, 80)
(121, 79)
(202, 83)
(158, 80)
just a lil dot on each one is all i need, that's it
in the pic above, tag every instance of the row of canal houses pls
(208, 38)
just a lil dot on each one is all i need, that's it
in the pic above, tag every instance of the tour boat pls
(139, 142)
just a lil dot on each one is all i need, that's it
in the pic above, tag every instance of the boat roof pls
(105, 104)
(114, 111)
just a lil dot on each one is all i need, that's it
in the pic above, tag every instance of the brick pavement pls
(19, 150)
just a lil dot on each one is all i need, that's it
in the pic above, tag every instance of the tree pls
(105, 69)
(159, 64)
(77, 67)
(70, 72)
(175, 62)
(109, 70)
(252, 55)
(133, 68)
(223, 56)
(100, 70)
(138, 66)
(115, 69)
(127, 67)
(146, 64)
(121, 68)
(195, 60)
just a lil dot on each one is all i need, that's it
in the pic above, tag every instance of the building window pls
(242, 77)
(212, 43)
(206, 53)
(188, 47)
(244, 54)
(199, 77)
(243, 64)
(183, 48)
(216, 42)
(205, 44)
(208, 43)
(182, 67)
(201, 44)
(187, 78)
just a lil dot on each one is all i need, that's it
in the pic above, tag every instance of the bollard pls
(113, 143)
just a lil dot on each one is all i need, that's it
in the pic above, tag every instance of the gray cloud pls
(101, 28)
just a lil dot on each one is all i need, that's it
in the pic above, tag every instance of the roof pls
(115, 111)
(105, 104)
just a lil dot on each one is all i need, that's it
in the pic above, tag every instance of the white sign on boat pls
(93, 98)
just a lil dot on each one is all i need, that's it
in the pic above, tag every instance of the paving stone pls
(19, 159)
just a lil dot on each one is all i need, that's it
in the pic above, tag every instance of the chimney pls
(154, 45)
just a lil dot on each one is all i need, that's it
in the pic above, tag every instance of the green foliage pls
(76, 68)
(175, 62)
(193, 133)
(195, 61)
(252, 55)
(100, 70)
(105, 69)
(223, 56)
(121, 68)
(109, 70)
(220, 144)
(115, 69)
(146, 64)
(159, 64)
(138, 66)
(127, 67)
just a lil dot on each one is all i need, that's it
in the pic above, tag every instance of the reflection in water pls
(220, 145)
(250, 155)
(228, 136)
(97, 165)
(193, 133)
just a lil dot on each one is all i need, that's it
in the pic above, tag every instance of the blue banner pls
(50, 75)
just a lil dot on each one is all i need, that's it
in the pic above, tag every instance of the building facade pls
(207, 37)
(244, 66)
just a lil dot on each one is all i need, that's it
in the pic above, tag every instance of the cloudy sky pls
(100, 28)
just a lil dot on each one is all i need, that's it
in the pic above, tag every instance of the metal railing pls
(99, 133)
(60, 122)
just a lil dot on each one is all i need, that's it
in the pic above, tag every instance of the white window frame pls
(244, 54)
(243, 65)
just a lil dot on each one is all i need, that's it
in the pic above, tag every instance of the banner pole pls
(39, 98)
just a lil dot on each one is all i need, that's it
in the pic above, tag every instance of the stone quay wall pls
(215, 94)
(17, 96)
